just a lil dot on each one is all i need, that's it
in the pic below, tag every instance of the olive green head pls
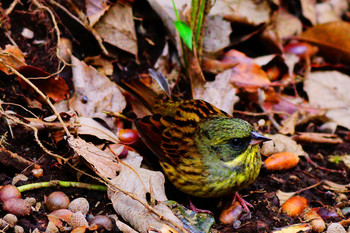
(225, 137)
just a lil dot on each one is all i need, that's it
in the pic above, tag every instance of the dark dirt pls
(265, 215)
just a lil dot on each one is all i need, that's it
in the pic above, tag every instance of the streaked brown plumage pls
(203, 151)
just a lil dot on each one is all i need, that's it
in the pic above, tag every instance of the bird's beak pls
(258, 138)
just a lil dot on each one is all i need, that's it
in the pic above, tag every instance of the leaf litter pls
(95, 95)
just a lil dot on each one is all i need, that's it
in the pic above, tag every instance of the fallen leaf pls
(287, 25)
(249, 11)
(140, 181)
(117, 27)
(296, 228)
(104, 164)
(57, 215)
(335, 187)
(220, 92)
(333, 40)
(330, 90)
(95, 94)
(245, 74)
(88, 126)
(217, 32)
(52, 85)
(312, 137)
(284, 196)
(132, 178)
(331, 11)
(95, 9)
(11, 56)
(281, 143)
(103, 65)
(308, 10)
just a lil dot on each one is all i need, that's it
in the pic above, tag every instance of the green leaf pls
(185, 32)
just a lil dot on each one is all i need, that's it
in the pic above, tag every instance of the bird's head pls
(227, 137)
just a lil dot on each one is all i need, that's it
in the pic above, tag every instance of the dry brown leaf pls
(330, 90)
(52, 85)
(296, 228)
(11, 56)
(288, 124)
(287, 25)
(104, 164)
(57, 215)
(220, 92)
(284, 196)
(335, 187)
(330, 11)
(140, 181)
(131, 178)
(95, 94)
(317, 137)
(217, 32)
(103, 65)
(117, 27)
(245, 74)
(95, 9)
(333, 40)
(308, 10)
(248, 11)
(88, 126)
(281, 143)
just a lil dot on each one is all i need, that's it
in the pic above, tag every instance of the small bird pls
(202, 150)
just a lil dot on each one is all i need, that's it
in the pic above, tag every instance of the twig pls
(85, 25)
(58, 33)
(319, 167)
(115, 188)
(66, 184)
(35, 130)
(40, 93)
(11, 7)
(307, 188)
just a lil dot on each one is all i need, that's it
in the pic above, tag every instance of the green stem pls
(67, 184)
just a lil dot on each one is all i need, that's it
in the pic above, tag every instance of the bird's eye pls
(239, 143)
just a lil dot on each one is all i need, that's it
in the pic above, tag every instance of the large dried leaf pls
(95, 94)
(104, 164)
(247, 11)
(281, 143)
(117, 27)
(89, 126)
(53, 86)
(331, 11)
(330, 90)
(333, 40)
(140, 181)
(95, 9)
(308, 10)
(220, 92)
(246, 74)
(131, 178)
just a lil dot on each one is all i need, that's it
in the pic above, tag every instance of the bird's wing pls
(151, 129)
(172, 138)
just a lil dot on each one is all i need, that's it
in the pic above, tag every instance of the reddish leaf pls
(333, 40)
(53, 86)
(246, 74)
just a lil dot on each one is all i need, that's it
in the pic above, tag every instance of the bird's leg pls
(243, 202)
(194, 208)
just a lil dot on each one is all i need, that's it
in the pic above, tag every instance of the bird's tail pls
(145, 94)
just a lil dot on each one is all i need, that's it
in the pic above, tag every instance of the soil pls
(265, 215)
